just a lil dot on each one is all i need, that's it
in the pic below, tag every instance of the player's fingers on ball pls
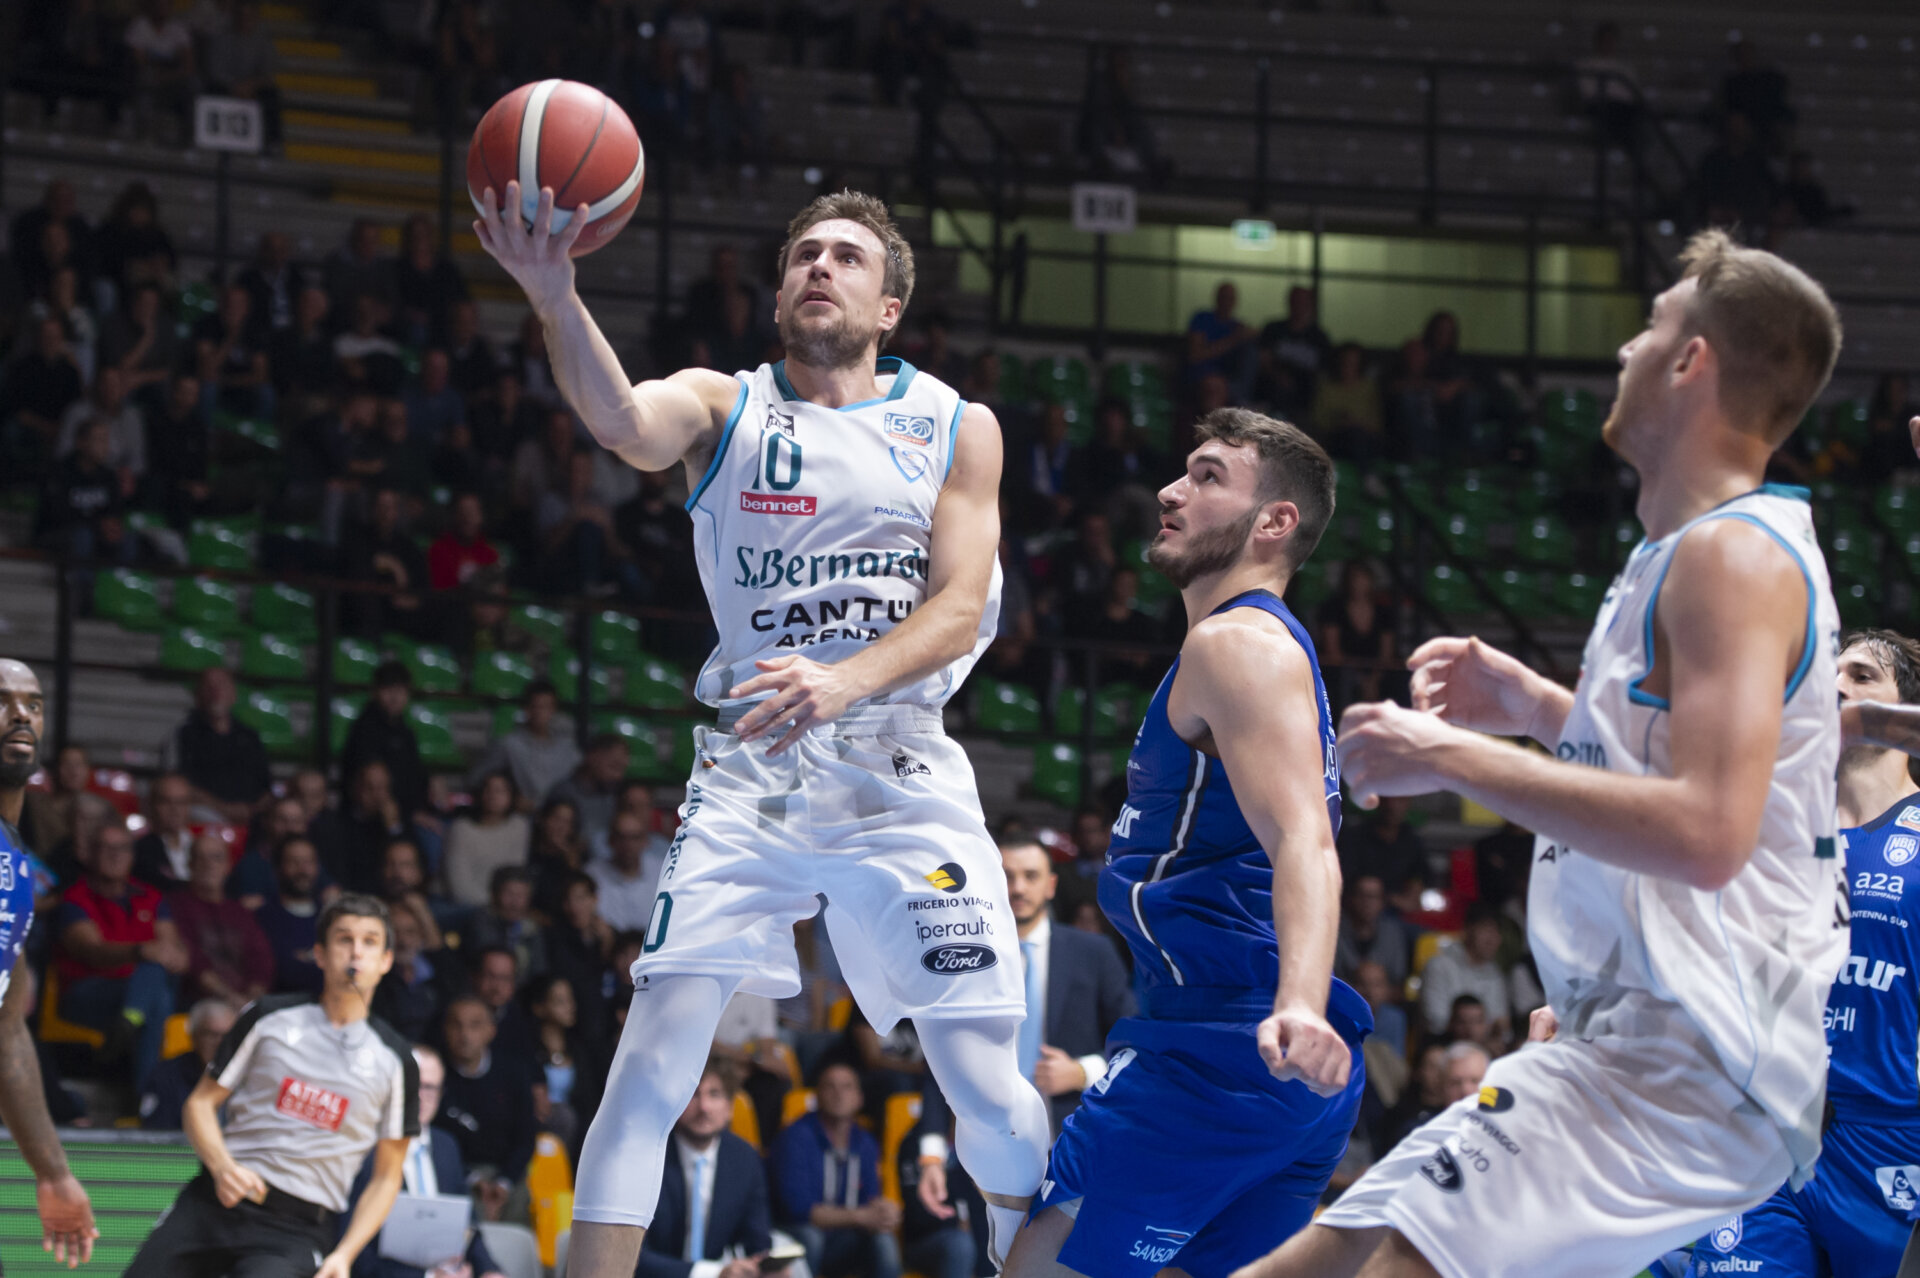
(576, 227)
(543, 216)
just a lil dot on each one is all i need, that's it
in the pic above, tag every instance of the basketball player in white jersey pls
(846, 519)
(1687, 907)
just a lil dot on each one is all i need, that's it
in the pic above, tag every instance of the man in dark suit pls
(1077, 990)
(713, 1195)
(433, 1167)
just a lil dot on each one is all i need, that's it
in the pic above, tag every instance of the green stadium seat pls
(1056, 773)
(1005, 707)
(285, 610)
(1571, 411)
(1155, 589)
(1113, 711)
(129, 599)
(1449, 591)
(208, 605)
(1133, 378)
(1898, 508)
(340, 721)
(1626, 535)
(1577, 595)
(268, 656)
(1850, 553)
(262, 434)
(1058, 378)
(643, 743)
(1546, 541)
(1373, 529)
(214, 543)
(501, 674)
(544, 624)
(682, 753)
(653, 684)
(433, 728)
(434, 668)
(615, 635)
(1850, 422)
(1521, 590)
(354, 661)
(1308, 587)
(1153, 418)
(272, 718)
(185, 649)
(1466, 536)
(564, 670)
(1013, 379)
(1858, 605)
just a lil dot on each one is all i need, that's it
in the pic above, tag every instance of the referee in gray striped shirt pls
(310, 1086)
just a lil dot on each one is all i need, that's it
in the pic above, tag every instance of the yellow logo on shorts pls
(948, 878)
(1496, 1100)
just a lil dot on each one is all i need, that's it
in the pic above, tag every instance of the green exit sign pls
(1253, 232)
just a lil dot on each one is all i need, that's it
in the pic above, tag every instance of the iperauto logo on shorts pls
(779, 504)
(957, 960)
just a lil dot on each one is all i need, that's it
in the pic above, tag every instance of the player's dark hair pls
(1292, 468)
(1898, 655)
(352, 905)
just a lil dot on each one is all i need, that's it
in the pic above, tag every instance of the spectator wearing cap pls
(221, 758)
(536, 753)
(227, 954)
(714, 1218)
(382, 734)
(595, 784)
(167, 1090)
(1467, 966)
(119, 953)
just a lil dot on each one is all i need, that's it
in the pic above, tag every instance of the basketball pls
(564, 135)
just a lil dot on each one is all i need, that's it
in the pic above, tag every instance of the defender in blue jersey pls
(1852, 1220)
(66, 1217)
(1229, 1100)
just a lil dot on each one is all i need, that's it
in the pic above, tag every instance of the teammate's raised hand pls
(540, 259)
(1388, 749)
(1474, 685)
(1299, 1044)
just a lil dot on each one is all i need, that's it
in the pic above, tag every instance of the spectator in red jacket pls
(227, 954)
(119, 954)
(463, 549)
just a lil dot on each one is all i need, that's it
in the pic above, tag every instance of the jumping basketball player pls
(846, 519)
(1238, 1085)
(1687, 907)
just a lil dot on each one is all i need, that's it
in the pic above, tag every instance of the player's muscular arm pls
(1875, 723)
(650, 426)
(1729, 629)
(966, 539)
(1248, 685)
(66, 1215)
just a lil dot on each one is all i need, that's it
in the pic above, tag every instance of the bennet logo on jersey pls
(1443, 1171)
(1909, 818)
(1902, 848)
(1725, 1238)
(1854, 972)
(1160, 1245)
(948, 878)
(914, 430)
(958, 960)
(1897, 1186)
(310, 1104)
(779, 504)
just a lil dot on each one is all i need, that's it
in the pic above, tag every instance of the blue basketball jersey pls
(1187, 883)
(1873, 1014)
(16, 900)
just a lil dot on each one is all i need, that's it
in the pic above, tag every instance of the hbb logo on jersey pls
(779, 504)
(310, 1104)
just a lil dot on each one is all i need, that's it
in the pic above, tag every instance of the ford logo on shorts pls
(951, 960)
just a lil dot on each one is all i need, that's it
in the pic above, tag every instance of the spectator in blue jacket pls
(826, 1182)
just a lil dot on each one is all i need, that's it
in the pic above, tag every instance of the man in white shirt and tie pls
(432, 1162)
(714, 1219)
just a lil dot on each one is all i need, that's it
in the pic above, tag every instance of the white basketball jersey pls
(1748, 965)
(814, 525)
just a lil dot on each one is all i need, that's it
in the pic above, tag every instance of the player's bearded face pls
(21, 723)
(1204, 551)
(836, 339)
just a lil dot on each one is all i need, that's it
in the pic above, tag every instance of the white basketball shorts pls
(879, 812)
(1578, 1159)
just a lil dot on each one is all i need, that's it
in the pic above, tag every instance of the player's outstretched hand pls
(1542, 1025)
(933, 1190)
(800, 694)
(1388, 749)
(1475, 685)
(1297, 1043)
(541, 259)
(66, 1220)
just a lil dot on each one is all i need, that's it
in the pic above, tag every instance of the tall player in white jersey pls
(847, 525)
(1687, 907)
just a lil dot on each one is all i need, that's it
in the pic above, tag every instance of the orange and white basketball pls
(564, 135)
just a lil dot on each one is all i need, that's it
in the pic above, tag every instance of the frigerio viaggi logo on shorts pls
(957, 960)
(779, 504)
